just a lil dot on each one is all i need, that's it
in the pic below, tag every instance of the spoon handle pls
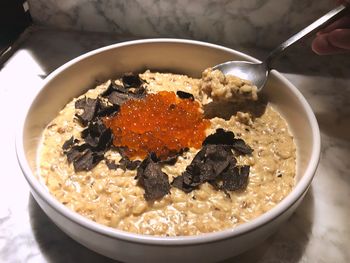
(319, 23)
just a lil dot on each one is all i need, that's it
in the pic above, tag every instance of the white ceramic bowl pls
(177, 56)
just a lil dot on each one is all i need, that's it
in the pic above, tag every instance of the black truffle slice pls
(97, 136)
(131, 80)
(219, 158)
(178, 182)
(75, 151)
(220, 137)
(69, 143)
(137, 93)
(208, 164)
(118, 98)
(240, 146)
(235, 178)
(117, 94)
(184, 95)
(152, 179)
(87, 160)
(212, 161)
(89, 107)
(98, 139)
(172, 159)
(112, 88)
(228, 138)
(93, 108)
(83, 157)
(126, 163)
(107, 110)
(111, 164)
(216, 165)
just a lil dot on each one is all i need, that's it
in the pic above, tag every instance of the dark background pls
(13, 20)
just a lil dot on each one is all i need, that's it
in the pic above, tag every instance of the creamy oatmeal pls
(114, 198)
(217, 86)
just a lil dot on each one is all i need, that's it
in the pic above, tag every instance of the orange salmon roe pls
(161, 123)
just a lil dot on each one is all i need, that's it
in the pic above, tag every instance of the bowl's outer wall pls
(188, 58)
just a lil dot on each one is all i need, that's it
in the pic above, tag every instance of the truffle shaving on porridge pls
(169, 155)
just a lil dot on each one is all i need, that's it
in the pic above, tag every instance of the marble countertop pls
(319, 231)
(227, 22)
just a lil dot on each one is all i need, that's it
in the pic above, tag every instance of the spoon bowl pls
(255, 72)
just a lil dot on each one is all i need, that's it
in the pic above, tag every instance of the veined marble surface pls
(319, 231)
(247, 22)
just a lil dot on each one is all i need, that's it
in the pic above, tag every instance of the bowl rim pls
(242, 229)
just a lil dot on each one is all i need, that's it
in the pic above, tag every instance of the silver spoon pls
(257, 73)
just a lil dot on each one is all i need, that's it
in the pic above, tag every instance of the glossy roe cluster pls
(161, 123)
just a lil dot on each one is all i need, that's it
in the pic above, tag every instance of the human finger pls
(343, 22)
(340, 38)
(344, 2)
(322, 46)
